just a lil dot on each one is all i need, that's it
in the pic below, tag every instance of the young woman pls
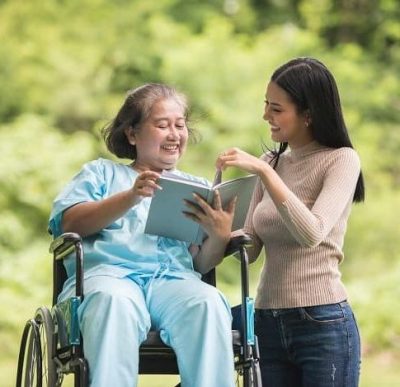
(133, 280)
(307, 332)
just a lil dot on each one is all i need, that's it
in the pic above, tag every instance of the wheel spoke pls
(45, 359)
(46, 329)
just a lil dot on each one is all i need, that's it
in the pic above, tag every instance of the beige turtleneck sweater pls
(303, 237)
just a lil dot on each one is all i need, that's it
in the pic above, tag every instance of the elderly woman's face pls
(162, 138)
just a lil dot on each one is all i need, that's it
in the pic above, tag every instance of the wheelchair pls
(51, 345)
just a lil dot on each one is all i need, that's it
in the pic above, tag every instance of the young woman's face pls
(162, 138)
(287, 125)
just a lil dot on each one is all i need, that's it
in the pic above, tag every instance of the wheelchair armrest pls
(64, 244)
(61, 248)
(236, 243)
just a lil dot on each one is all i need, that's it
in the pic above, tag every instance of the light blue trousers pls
(192, 317)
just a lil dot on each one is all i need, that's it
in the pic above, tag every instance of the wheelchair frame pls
(51, 344)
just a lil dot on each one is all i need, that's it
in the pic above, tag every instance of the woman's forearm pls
(90, 217)
(210, 255)
(277, 189)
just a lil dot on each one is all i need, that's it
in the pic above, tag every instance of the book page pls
(174, 177)
(242, 188)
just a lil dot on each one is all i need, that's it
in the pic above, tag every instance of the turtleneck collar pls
(301, 152)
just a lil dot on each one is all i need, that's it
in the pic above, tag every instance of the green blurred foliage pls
(65, 69)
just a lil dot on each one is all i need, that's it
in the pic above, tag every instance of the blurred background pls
(66, 66)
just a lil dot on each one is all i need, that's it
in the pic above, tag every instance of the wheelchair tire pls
(255, 375)
(36, 366)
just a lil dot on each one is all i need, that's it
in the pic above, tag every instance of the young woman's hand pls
(216, 221)
(235, 157)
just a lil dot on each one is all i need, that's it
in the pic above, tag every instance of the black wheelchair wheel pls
(28, 367)
(255, 374)
(248, 373)
(46, 329)
(36, 366)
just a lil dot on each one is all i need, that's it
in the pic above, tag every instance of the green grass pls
(144, 381)
(8, 374)
(377, 370)
(380, 370)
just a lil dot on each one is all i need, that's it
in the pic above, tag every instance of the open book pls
(166, 216)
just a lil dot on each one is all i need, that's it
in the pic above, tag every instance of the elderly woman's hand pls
(145, 185)
(215, 220)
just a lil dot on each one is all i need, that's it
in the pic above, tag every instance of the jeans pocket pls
(324, 314)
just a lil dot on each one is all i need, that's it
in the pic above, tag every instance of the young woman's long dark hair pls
(312, 87)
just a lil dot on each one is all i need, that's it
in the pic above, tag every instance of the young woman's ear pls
(130, 135)
(307, 118)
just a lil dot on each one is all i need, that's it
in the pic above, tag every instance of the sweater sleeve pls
(311, 226)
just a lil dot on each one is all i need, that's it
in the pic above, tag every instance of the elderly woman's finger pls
(195, 208)
(217, 204)
(231, 206)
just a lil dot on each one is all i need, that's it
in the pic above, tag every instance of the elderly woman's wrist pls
(223, 239)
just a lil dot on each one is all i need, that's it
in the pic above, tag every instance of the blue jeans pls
(316, 346)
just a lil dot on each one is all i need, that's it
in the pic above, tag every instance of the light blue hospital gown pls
(134, 281)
